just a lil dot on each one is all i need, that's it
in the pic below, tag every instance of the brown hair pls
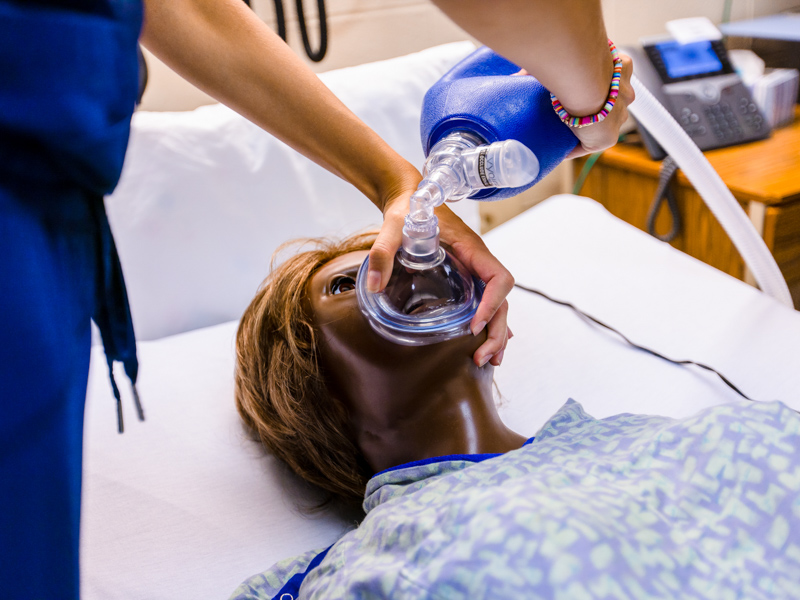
(280, 391)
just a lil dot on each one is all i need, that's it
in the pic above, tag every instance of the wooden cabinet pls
(764, 177)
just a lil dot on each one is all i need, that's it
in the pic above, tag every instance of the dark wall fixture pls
(319, 54)
(280, 16)
(142, 75)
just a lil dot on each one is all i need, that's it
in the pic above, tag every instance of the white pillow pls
(206, 196)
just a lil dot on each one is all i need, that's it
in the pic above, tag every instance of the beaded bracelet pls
(610, 101)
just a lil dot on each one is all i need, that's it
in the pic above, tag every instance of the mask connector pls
(458, 166)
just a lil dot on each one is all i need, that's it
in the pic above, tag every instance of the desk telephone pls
(698, 85)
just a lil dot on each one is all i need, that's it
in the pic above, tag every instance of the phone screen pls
(685, 60)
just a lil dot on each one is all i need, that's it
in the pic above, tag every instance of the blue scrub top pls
(68, 84)
(68, 93)
(68, 90)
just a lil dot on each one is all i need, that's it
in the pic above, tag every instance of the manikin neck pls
(458, 416)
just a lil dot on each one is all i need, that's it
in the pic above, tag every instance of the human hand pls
(492, 312)
(395, 208)
(605, 134)
(469, 248)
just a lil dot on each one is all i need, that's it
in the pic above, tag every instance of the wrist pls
(578, 120)
(395, 183)
(588, 95)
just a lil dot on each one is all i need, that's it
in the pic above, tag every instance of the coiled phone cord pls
(669, 169)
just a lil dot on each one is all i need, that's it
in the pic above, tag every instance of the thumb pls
(381, 256)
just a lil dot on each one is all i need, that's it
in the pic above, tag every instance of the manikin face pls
(359, 363)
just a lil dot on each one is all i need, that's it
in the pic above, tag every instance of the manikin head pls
(333, 399)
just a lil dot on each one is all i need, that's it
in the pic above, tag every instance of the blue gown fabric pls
(69, 80)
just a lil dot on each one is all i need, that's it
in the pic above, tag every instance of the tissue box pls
(775, 93)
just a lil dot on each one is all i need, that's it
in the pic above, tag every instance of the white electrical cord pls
(677, 143)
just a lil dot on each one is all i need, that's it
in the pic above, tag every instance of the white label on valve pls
(482, 167)
(486, 168)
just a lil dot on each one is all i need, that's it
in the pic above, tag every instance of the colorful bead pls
(613, 93)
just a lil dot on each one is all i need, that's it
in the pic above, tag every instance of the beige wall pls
(368, 30)
(362, 31)
(628, 20)
(359, 31)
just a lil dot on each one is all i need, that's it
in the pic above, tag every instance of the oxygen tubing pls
(713, 190)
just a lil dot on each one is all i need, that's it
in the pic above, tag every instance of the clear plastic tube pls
(757, 257)
(459, 165)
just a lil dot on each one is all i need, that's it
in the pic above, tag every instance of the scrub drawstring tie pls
(112, 312)
(118, 397)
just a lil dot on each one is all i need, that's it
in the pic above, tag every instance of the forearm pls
(562, 43)
(224, 49)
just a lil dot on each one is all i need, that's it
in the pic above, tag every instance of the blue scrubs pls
(69, 80)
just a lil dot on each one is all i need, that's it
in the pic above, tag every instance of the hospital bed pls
(185, 505)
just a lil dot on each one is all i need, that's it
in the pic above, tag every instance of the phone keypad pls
(731, 119)
(724, 123)
(751, 114)
(690, 121)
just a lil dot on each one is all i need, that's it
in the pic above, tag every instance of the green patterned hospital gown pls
(630, 506)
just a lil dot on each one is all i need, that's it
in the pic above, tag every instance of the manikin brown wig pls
(280, 391)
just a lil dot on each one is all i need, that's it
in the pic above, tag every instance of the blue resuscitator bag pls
(479, 96)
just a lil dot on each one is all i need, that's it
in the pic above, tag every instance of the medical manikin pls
(457, 505)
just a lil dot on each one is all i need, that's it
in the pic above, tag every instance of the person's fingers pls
(499, 284)
(626, 94)
(577, 152)
(595, 138)
(476, 257)
(394, 202)
(381, 256)
(623, 115)
(602, 138)
(626, 90)
(496, 338)
(469, 248)
(497, 359)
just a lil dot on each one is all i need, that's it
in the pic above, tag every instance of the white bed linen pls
(185, 506)
(572, 249)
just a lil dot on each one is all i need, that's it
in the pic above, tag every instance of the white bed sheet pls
(572, 249)
(185, 506)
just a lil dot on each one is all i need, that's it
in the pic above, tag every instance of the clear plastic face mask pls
(421, 306)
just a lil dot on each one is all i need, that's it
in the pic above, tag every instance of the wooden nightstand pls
(764, 177)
